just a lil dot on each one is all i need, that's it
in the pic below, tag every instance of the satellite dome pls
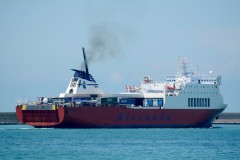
(45, 100)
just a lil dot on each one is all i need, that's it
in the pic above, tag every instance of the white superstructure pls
(185, 90)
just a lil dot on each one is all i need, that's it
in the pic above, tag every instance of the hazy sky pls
(40, 41)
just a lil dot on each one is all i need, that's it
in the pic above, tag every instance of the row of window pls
(198, 102)
(73, 84)
(199, 92)
(201, 86)
(140, 118)
(202, 80)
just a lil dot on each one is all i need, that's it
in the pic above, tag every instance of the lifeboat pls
(170, 88)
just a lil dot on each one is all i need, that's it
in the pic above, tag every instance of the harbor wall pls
(224, 118)
(8, 118)
(228, 118)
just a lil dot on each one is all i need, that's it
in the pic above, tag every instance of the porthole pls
(71, 91)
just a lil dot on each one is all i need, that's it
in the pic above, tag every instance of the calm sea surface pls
(25, 142)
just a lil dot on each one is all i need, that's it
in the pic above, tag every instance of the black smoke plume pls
(103, 43)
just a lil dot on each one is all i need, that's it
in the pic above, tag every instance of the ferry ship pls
(182, 100)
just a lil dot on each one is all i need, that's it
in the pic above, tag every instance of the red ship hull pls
(117, 117)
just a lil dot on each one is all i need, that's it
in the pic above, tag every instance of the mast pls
(183, 66)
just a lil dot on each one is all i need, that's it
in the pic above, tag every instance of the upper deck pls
(186, 76)
(195, 79)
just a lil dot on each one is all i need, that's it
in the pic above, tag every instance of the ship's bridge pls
(195, 79)
(210, 79)
(186, 76)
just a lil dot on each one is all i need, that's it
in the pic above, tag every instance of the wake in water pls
(16, 127)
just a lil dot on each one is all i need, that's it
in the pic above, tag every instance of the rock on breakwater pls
(8, 118)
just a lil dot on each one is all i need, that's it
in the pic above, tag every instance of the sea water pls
(25, 142)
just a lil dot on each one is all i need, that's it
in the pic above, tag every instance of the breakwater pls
(8, 118)
(228, 118)
(224, 118)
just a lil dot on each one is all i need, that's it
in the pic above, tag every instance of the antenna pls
(183, 66)
(197, 69)
(85, 61)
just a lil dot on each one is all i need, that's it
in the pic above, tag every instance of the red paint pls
(117, 117)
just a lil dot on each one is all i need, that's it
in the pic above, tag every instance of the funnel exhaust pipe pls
(85, 61)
